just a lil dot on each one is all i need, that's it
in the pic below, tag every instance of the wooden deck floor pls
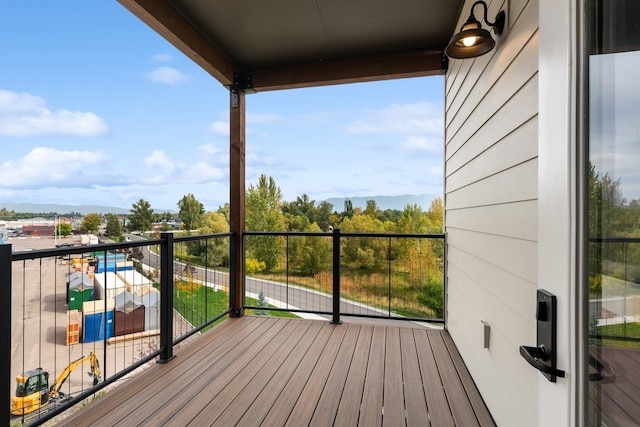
(273, 372)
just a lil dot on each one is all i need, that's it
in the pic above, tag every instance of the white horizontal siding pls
(513, 220)
(510, 151)
(517, 401)
(505, 187)
(491, 218)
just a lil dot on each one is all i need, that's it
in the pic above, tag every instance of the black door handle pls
(536, 356)
(543, 356)
(604, 372)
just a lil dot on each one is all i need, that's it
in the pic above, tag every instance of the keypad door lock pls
(543, 357)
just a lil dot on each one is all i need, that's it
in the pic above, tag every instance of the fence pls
(131, 303)
(115, 301)
(614, 287)
(397, 276)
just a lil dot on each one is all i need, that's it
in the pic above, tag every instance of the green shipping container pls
(79, 296)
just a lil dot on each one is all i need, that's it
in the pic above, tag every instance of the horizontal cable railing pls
(614, 291)
(120, 304)
(381, 275)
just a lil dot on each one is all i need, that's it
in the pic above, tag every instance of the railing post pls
(336, 277)
(233, 272)
(166, 297)
(5, 334)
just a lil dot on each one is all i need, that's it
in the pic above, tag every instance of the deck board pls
(266, 371)
(371, 412)
(348, 409)
(417, 414)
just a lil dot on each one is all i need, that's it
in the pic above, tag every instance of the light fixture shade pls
(483, 43)
(473, 40)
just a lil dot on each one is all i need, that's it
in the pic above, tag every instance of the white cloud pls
(420, 125)
(23, 114)
(262, 118)
(162, 57)
(405, 118)
(168, 75)
(160, 159)
(202, 172)
(171, 172)
(425, 144)
(44, 167)
(209, 149)
(220, 127)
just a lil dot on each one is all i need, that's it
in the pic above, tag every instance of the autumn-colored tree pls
(91, 223)
(64, 229)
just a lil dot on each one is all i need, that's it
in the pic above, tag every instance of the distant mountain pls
(60, 209)
(386, 202)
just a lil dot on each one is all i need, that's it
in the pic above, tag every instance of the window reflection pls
(614, 214)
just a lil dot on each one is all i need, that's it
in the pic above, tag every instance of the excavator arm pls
(94, 373)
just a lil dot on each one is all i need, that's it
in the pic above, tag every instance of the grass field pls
(198, 303)
(628, 332)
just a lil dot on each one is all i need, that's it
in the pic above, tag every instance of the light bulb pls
(469, 41)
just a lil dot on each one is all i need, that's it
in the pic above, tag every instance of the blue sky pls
(96, 108)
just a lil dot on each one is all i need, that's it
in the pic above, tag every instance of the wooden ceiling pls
(282, 44)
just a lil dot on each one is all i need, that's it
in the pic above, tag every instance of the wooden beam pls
(237, 215)
(161, 16)
(349, 70)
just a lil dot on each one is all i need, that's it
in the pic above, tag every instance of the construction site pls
(72, 315)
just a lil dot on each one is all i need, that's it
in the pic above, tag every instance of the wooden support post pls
(236, 199)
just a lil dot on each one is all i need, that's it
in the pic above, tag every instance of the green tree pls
(64, 229)
(190, 211)
(141, 217)
(323, 215)
(299, 213)
(432, 296)
(91, 223)
(372, 209)
(365, 252)
(214, 252)
(435, 215)
(264, 213)
(225, 210)
(310, 254)
(7, 215)
(114, 227)
(348, 211)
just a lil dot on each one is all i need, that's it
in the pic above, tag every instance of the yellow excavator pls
(33, 392)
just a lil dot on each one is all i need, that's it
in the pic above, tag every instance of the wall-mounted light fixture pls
(473, 40)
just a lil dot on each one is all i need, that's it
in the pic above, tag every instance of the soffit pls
(297, 43)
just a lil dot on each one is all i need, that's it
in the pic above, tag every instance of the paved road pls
(278, 294)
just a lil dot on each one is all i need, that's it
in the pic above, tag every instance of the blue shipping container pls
(97, 324)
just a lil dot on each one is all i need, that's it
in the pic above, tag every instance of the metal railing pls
(383, 275)
(60, 304)
(127, 303)
(614, 287)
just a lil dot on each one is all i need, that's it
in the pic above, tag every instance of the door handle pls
(543, 357)
(536, 356)
(604, 372)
